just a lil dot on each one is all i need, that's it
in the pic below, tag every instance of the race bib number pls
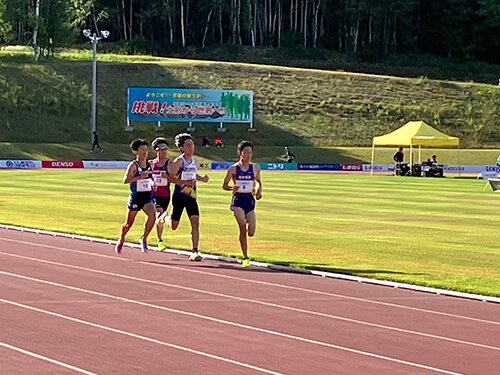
(159, 180)
(144, 185)
(188, 175)
(245, 186)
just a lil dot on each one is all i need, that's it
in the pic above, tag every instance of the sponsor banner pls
(20, 164)
(352, 167)
(62, 164)
(221, 164)
(319, 167)
(105, 164)
(471, 168)
(160, 104)
(278, 166)
(378, 167)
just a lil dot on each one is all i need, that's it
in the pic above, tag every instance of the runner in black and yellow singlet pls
(184, 173)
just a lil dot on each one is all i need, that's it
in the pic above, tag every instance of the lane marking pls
(269, 304)
(204, 317)
(329, 294)
(144, 338)
(392, 284)
(47, 359)
(358, 299)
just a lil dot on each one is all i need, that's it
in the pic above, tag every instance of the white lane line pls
(269, 304)
(216, 320)
(358, 299)
(329, 294)
(140, 337)
(391, 284)
(38, 356)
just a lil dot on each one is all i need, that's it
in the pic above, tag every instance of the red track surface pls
(73, 306)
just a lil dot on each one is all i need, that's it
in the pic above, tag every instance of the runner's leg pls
(239, 215)
(149, 209)
(159, 223)
(127, 224)
(251, 223)
(195, 231)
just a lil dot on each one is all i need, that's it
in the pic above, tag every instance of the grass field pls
(434, 232)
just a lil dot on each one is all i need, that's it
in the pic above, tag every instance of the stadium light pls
(94, 39)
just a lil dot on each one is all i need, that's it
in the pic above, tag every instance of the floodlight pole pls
(94, 39)
(93, 126)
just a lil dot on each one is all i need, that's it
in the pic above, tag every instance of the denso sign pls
(61, 164)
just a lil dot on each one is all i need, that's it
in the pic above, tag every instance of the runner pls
(245, 177)
(138, 175)
(184, 173)
(161, 189)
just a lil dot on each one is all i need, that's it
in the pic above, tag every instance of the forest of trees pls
(459, 29)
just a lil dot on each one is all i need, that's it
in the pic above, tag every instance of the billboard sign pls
(192, 105)
(20, 164)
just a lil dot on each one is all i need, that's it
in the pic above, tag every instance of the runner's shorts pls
(161, 202)
(137, 201)
(246, 202)
(178, 205)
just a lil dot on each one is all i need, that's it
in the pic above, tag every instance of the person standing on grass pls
(399, 155)
(138, 175)
(245, 176)
(184, 174)
(95, 141)
(161, 189)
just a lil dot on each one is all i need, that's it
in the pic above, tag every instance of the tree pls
(5, 26)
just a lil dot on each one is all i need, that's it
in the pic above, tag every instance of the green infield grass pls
(434, 232)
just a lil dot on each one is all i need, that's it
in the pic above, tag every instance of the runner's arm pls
(229, 177)
(130, 174)
(173, 168)
(258, 195)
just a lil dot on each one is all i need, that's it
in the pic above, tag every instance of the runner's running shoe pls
(245, 262)
(119, 246)
(144, 245)
(161, 246)
(195, 257)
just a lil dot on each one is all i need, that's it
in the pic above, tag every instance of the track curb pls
(366, 280)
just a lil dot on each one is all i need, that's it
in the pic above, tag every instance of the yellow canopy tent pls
(415, 133)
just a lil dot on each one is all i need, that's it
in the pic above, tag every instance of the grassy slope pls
(50, 102)
(436, 232)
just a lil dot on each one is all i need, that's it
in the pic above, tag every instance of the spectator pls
(288, 155)
(95, 141)
(399, 155)
(219, 142)
(206, 142)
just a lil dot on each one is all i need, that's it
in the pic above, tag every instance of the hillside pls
(50, 102)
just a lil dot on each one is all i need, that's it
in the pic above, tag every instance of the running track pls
(70, 306)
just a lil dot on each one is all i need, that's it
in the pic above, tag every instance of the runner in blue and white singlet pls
(243, 197)
(138, 176)
(141, 191)
(246, 186)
